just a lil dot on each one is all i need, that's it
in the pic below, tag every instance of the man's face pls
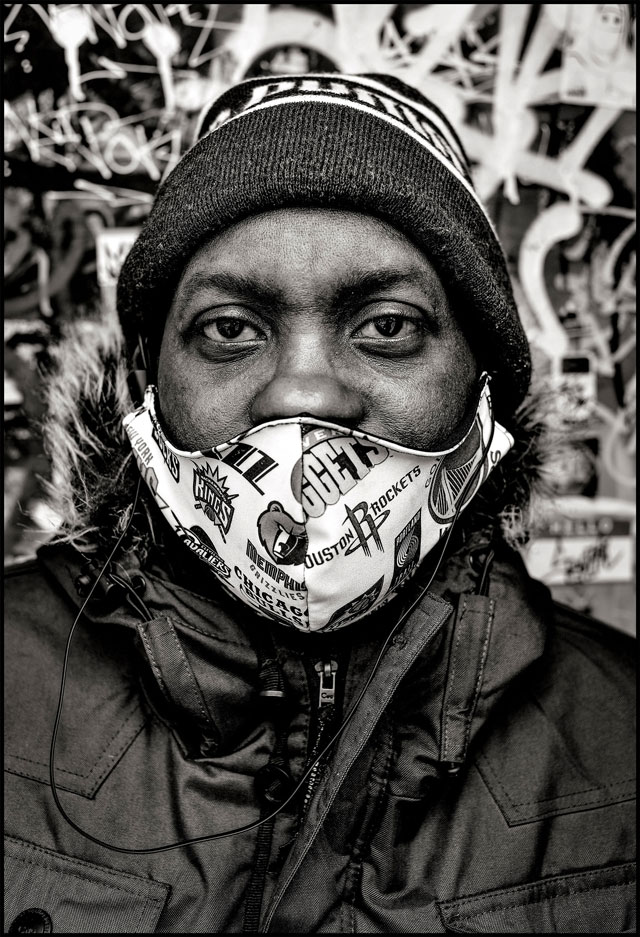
(317, 312)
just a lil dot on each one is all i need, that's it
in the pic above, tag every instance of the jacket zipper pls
(271, 683)
(325, 713)
(322, 719)
(327, 671)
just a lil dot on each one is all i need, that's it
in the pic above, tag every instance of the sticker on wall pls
(568, 551)
(112, 247)
(574, 382)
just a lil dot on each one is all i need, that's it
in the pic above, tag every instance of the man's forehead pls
(317, 221)
(359, 249)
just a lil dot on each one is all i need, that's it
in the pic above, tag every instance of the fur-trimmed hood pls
(94, 474)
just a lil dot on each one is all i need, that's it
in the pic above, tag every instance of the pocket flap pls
(78, 897)
(591, 902)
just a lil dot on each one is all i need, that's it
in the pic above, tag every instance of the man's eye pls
(389, 327)
(229, 329)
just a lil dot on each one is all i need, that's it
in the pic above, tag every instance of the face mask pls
(310, 523)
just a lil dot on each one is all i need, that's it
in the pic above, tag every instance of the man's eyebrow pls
(236, 284)
(360, 286)
(355, 288)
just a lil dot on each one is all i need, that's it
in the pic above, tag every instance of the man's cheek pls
(422, 421)
(179, 399)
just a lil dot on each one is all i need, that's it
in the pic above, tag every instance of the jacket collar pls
(457, 653)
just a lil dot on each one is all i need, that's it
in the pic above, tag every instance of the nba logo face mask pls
(308, 522)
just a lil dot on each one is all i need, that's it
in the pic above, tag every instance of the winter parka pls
(484, 784)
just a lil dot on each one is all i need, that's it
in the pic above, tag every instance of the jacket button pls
(273, 784)
(32, 921)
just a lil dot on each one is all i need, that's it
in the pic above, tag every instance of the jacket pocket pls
(46, 891)
(591, 902)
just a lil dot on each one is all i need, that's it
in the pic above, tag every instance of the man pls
(311, 687)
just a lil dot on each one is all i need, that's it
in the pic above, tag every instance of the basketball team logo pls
(283, 538)
(457, 478)
(407, 551)
(197, 540)
(358, 606)
(331, 465)
(213, 497)
(171, 460)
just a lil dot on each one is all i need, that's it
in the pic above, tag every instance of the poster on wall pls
(598, 65)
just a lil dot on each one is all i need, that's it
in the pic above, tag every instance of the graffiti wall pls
(102, 99)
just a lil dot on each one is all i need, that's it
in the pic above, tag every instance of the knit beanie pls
(366, 143)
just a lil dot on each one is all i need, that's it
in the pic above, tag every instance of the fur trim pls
(507, 503)
(86, 399)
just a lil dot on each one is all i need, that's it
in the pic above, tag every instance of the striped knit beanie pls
(366, 143)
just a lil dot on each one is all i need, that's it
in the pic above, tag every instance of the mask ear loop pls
(247, 828)
(138, 376)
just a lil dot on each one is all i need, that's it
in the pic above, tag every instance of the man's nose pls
(305, 383)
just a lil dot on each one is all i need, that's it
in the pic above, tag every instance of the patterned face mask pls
(308, 522)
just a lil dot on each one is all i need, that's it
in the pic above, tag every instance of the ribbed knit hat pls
(366, 143)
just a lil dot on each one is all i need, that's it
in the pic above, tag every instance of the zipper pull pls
(327, 691)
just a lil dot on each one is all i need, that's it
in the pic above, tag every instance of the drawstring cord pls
(481, 559)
